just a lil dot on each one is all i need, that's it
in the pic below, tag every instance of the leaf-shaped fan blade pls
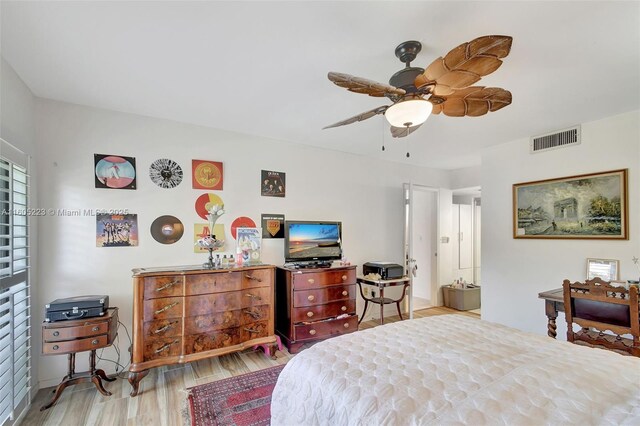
(472, 101)
(465, 64)
(362, 85)
(359, 117)
(401, 132)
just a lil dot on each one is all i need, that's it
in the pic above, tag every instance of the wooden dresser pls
(309, 302)
(187, 314)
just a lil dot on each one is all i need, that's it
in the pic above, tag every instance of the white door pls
(420, 244)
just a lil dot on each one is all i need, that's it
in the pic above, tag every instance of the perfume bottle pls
(217, 264)
(225, 261)
(232, 262)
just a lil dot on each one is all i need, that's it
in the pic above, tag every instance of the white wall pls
(17, 124)
(365, 194)
(515, 271)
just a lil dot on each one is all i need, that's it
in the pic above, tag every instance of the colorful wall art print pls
(272, 226)
(115, 171)
(116, 230)
(201, 230)
(205, 202)
(207, 174)
(272, 184)
(590, 206)
(249, 243)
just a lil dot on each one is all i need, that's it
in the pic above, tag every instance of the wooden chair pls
(597, 306)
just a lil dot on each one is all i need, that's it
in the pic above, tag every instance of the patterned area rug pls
(237, 401)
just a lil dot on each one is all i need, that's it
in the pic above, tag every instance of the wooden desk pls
(73, 336)
(381, 285)
(553, 303)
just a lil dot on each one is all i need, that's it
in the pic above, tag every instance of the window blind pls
(15, 306)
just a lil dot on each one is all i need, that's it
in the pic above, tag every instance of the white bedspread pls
(451, 369)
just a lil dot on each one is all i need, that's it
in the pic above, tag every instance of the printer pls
(386, 270)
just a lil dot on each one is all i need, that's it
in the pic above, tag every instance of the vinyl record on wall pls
(205, 202)
(241, 222)
(165, 173)
(167, 229)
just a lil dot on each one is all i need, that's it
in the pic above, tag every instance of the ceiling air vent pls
(559, 139)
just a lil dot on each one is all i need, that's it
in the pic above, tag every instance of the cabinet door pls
(465, 237)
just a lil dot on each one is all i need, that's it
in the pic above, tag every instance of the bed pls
(455, 370)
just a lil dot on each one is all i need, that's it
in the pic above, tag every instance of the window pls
(15, 306)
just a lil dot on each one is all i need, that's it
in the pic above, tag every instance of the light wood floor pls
(163, 393)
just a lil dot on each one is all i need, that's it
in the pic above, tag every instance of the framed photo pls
(114, 171)
(590, 206)
(606, 269)
(116, 230)
(272, 184)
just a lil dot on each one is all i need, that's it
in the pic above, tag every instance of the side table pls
(381, 285)
(73, 336)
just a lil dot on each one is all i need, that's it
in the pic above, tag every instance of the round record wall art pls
(167, 229)
(205, 202)
(241, 222)
(165, 173)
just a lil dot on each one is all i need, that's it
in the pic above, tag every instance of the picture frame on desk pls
(605, 269)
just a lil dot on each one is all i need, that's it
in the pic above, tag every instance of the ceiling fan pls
(444, 86)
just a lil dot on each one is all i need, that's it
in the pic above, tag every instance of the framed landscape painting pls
(591, 206)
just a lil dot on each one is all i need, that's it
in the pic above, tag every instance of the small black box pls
(76, 308)
(386, 270)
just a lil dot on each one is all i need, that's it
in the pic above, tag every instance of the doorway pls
(421, 244)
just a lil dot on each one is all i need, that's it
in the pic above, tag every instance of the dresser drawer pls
(79, 345)
(229, 301)
(162, 348)
(318, 312)
(255, 330)
(212, 283)
(323, 295)
(310, 280)
(207, 342)
(215, 321)
(257, 278)
(155, 287)
(324, 329)
(163, 328)
(67, 333)
(166, 307)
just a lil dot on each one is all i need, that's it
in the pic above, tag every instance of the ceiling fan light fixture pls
(409, 113)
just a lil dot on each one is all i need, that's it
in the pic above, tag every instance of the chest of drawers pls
(315, 304)
(190, 314)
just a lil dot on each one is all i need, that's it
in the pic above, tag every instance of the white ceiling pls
(260, 67)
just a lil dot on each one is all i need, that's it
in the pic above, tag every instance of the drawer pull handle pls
(253, 314)
(94, 342)
(168, 285)
(253, 296)
(311, 298)
(166, 308)
(251, 277)
(312, 332)
(95, 328)
(345, 293)
(165, 328)
(309, 314)
(346, 325)
(165, 347)
(251, 330)
(56, 347)
(56, 333)
(311, 280)
(344, 308)
(344, 278)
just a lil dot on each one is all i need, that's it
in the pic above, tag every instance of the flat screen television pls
(312, 242)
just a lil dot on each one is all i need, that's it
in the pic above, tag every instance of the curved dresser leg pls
(134, 380)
